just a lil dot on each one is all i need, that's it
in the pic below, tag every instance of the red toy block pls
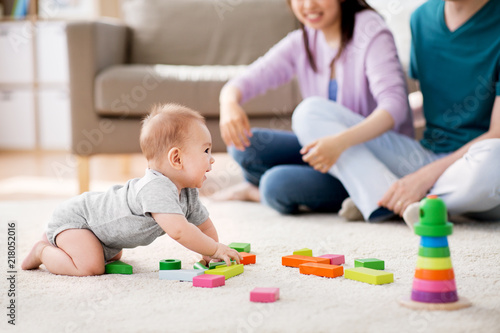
(209, 281)
(335, 259)
(265, 295)
(296, 260)
(248, 258)
(325, 270)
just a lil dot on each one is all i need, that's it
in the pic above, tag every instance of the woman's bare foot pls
(33, 260)
(242, 192)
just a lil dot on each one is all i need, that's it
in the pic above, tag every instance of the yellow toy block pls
(227, 271)
(368, 275)
(304, 252)
(434, 263)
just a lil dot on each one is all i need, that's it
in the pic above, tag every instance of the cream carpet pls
(143, 303)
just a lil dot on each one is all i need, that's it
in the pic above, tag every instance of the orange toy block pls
(296, 260)
(325, 270)
(247, 258)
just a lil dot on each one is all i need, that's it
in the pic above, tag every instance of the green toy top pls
(433, 218)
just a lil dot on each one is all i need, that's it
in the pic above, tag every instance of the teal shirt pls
(459, 73)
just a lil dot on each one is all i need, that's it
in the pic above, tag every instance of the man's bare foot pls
(33, 260)
(242, 192)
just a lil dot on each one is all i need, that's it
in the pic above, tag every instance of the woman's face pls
(317, 14)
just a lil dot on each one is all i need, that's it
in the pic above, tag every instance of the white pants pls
(469, 186)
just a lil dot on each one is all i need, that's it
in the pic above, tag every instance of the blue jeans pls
(274, 164)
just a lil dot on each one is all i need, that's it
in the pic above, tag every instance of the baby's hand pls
(225, 253)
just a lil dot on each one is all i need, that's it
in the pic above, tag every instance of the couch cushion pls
(131, 90)
(205, 32)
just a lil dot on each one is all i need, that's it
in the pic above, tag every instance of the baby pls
(87, 231)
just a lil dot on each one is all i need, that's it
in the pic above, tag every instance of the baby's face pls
(197, 156)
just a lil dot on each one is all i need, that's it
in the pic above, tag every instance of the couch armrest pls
(92, 46)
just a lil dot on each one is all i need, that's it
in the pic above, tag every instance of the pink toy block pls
(335, 259)
(209, 281)
(265, 295)
(434, 286)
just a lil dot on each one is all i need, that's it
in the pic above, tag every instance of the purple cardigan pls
(368, 73)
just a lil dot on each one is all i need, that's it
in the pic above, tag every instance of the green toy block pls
(228, 271)
(240, 247)
(304, 252)
(433, 218)
(370, 263)
(118, 267)
(368, 275)
(170, 264)
(434, 252)
(213, 265)
(199, 265)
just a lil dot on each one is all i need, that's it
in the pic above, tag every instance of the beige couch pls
(179, 51)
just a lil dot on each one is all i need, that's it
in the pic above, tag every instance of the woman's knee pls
(315, 111)
(309, 109)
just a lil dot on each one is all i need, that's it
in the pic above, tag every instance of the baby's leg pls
(78, 253)
(32, 260)
(117, 257)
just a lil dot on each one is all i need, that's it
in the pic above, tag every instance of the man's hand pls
(322, 154)
(405, 191)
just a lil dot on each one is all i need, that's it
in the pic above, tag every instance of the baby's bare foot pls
(33, 260)
(242, 192)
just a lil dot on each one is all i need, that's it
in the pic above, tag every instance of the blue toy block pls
(180, 274)
(434, 241)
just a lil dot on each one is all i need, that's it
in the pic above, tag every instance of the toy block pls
(429, 297)
(432, 221)
(170, 264)
(228, 271)
(199, 265)
(368, 275)
(118, 267)
(432, 274)
(434, 241)
(370, 263)
(180, 274)
(434, 252)
(434, 263)
(335, 259)
(209, 281)
(248, 258)
(265, 295)
(304, 252)
(216, 264)
(325, 270)
(240, 247)
(296, 260)
(434, 286)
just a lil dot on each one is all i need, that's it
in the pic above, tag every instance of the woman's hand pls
(322, 154)
(234, 125)
(407, 190)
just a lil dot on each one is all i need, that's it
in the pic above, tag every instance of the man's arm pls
(413, 187)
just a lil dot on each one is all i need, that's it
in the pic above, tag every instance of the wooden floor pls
(42, 175)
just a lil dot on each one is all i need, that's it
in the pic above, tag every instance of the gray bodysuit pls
(121, 217)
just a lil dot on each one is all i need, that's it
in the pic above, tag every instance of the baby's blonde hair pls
(166, 126)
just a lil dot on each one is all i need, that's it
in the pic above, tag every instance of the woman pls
(343, 53)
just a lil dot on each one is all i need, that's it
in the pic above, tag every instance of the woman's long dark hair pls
(348, 8)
